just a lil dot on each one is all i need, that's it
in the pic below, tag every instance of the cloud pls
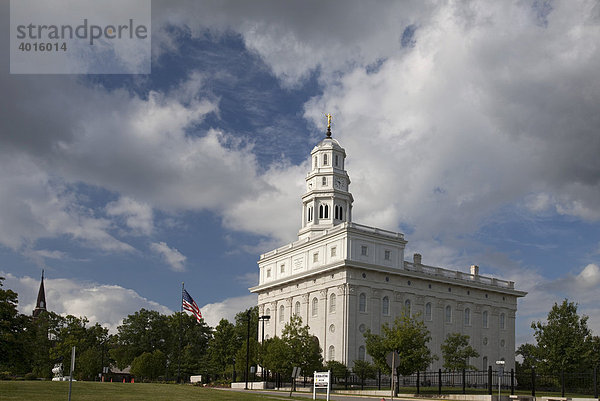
(172, 256)
(107, 305)
(138, 216)
(227, 309)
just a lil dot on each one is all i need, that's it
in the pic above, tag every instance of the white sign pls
(321, 380)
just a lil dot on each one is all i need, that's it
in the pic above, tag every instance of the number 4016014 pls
(42, 47)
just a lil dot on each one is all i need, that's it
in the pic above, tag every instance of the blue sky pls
(471, 127)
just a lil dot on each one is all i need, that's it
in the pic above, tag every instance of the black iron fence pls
(469, 382)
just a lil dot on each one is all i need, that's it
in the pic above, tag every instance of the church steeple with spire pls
(327, 201)
(40, 305)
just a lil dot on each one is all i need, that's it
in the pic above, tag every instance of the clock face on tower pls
(339, 183)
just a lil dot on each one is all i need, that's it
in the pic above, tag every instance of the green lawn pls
(96, 391)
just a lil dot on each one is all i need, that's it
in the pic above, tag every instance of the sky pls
(470, 126)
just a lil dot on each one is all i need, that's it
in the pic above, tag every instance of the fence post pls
(419, 384)
(439, 381)
(346, 380)
(490, 380)
(512, 381)
(562, 383)
(595, 382)
(533, 382)
(464, 376)
(378, 379)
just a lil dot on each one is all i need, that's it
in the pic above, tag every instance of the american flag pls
(190, 305)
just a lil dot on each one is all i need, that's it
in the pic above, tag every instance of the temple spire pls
(328, 125)
(40, 305)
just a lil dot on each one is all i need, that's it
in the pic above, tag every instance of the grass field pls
(96, 391)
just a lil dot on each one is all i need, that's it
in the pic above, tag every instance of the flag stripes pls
(190, 305)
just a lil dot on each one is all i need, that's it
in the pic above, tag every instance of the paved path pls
(320, 396)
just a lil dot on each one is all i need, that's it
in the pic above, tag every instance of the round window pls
(332, 328)
(485, 340)
(362, 328)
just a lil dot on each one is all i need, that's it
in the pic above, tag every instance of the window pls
(485, 363)
(325, 159)
(361, 353)
(362, 302)
(485, 319)
(407, 307)
(281, 314)
(297, 308)
(338, 212)
(336, 160)
(282, 268)
(502, 321)
(502, 343)
(387, 255)
(315, 161)
(333, 251)
(467, 317)
(315, 257)
(428, 311)
(385, 306)
(324, 181)
(332, 303)
(268, 313)
(448, 314)
(309, 213)
(320, 211)
(315, 306)
(363, 250)
(268, 273)
(331, 355)
(326, 211)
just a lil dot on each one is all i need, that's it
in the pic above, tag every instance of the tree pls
(338, 369)
(364, 370)
(564, 341)
(14, 329)
(457, 351)
(377, 349)
(222, 347)
(149, 365)
(408, 337)
(305, 351)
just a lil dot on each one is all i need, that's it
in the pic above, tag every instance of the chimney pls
(417, 259)
(474, 270)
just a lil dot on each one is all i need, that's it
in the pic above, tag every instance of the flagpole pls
(179, 353)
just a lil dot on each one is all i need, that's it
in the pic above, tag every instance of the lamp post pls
(262, 339)
(248, 315)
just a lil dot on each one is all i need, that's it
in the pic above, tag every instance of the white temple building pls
(343, 278)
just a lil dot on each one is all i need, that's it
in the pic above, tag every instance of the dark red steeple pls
(40, 305)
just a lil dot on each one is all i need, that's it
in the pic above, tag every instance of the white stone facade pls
(343, 278)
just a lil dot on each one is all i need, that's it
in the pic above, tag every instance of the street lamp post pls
(262, 339)
(248, 315)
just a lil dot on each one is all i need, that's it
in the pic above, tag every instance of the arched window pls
(315, 306)
(332, 303)
(385, 306)
(502, 321)
(485, 319)
(428, 311)
(335, 212)
(362, 302)
(268, 313)
(336, 160)
(485, 363)
(325, 159)
(326, 211)
(331, 355)
(407, 307)
(297, 308)
(281, 314)
(309, 216)
(448, 314)
(341, 213)
(467, 317)
(320, 211)
(315, 161)
(361, 353)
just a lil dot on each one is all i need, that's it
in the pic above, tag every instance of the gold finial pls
(328, 121)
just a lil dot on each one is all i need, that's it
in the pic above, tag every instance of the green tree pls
(376, 347)
(14, 332)
(408, 336)
(364, 370)
(223, 347)
(305, 351)
(564, 341)
(338, 369)
(195, 337)
(276, 355)
(457, 351)
(149, 366)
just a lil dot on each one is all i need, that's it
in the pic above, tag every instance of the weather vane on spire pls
(328, 124)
